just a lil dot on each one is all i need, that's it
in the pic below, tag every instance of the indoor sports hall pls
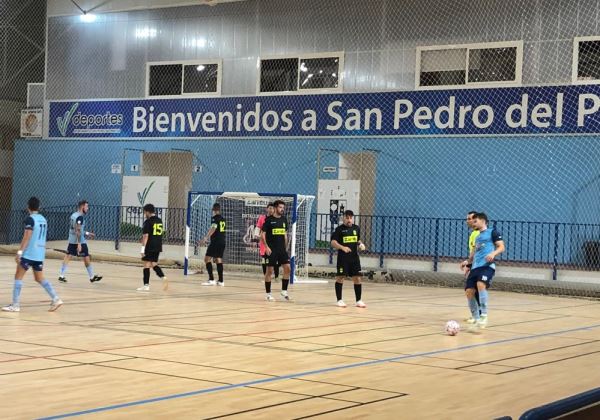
(274, 209)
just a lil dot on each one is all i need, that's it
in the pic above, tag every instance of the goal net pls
(241, 211)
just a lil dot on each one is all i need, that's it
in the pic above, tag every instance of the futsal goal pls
(241, 211)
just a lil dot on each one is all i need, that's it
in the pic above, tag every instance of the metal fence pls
(575, 246)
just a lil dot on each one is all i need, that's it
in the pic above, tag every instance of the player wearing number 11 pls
(31, 254)
(152, 233)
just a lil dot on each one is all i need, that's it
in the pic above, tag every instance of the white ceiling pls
(67, 8)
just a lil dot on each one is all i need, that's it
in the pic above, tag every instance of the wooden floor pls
(198, 352)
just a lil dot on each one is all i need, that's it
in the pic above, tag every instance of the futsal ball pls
(452, 327)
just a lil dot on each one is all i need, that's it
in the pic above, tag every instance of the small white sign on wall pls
(115, 168)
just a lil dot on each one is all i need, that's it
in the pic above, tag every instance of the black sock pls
(220, 272)
(146, 276)
(358, 291)
(284, 284)
(264, 266)
(477, 299)
(338, 290)
(159, 271)
(268, 286)
(276, 271)
(209, 271)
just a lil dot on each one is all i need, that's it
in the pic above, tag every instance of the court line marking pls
(310, 372)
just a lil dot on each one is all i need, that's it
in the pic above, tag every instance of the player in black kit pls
(152, 233)
(216, 249)
(274, 237)
(346, 239)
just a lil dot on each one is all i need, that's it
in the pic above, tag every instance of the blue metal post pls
(555, 261)
(436, 252)
(118, 235)
(382, 243)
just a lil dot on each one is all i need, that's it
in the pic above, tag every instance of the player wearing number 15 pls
(31, 254)
(216, 249)
(152, 233)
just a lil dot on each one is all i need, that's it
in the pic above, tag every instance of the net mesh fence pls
(409, 113)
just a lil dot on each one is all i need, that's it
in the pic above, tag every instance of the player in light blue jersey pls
(78, 243)
(32, 253)
(488, 245)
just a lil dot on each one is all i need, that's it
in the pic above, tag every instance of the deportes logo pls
(63, 122)
(144, 194)
(89, 123)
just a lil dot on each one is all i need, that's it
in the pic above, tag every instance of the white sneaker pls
(11, 308)
(361, 304)
(144, 288)
(209, 283)
(56, 303)
(470, 320)
(341, 304)
(482, 321)
(284, 294)
(221, 283)
(270, 298)
(165, 283)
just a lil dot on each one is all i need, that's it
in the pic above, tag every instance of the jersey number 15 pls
(157, 229)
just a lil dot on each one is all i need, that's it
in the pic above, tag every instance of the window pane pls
(493, 64)
(442, 78)
(589, 60)
(279, 75)
(319, 73)
(443, 67)
(165, 80)
(200, 78)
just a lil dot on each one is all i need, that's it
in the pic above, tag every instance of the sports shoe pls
(56, 303)
(270, 298)
(11, 308)
(95, 278)
(144, 288)
(165, 283)
(284, 294)
(341, 304)
(471, 320)
(209, 283)
(361, 304)
(482, 321)
(221, 283)
(62, 279)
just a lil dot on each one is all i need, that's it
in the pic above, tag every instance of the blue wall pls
(553, 179)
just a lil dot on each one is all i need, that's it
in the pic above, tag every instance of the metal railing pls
(545, 244)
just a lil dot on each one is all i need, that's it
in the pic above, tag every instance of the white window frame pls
(337, 54)
(183, 63)
(575, 68)
(476, 46)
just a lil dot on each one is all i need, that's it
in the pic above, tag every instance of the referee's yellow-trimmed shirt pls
(472, 238)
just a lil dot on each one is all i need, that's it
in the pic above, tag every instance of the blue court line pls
(311, 372)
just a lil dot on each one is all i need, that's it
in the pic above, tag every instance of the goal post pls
(241, 211)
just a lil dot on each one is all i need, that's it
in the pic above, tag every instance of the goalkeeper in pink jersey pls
(259, 224)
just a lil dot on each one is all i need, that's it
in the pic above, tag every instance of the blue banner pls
(523, 110)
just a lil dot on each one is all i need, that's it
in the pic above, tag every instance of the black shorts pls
(348, 267)
(278, 258)
(151, 256)
(265, 260)
(72, 250)
(484, 274)
(215, 250)
(35, 265)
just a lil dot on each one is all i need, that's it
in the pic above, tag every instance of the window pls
(491, 64)
(586, 60)
(305, 73)
(188, 78)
